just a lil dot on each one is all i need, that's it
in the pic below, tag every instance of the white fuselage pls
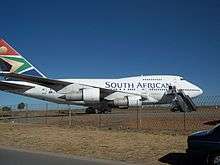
(151, 88)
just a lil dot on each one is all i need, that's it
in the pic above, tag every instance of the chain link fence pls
(151, 118)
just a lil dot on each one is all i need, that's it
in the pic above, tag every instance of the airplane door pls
(175, 83)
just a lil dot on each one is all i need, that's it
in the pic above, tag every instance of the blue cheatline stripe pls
(33, 72)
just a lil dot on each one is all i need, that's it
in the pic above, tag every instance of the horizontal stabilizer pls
(7, 86)
(50, 83)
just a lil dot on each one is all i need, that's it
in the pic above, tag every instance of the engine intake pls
(87, 95)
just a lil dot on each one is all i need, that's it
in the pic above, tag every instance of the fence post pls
(70, 116)
(26, 113)
(184, 120)
(46, 109)
(12, 114)
(140, 117)
(100, 120)
(137, 118)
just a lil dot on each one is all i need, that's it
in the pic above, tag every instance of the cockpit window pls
(181, 78)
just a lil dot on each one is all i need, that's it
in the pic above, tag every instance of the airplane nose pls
(196, 91)
(200, 91)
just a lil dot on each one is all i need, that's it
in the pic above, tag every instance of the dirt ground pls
(155, 120)
(138, 136)
(135, 147)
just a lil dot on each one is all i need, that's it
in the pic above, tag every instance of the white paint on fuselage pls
(152, 88)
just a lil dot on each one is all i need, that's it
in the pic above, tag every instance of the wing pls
(57, 85)
(6, 86)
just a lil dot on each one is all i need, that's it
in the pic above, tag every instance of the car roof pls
(216, 127)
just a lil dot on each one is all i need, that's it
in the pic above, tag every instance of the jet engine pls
(87, 95)
(126, 102)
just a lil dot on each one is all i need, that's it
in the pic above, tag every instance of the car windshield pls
(215, 128)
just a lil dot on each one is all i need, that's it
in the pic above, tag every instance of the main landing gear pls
(91, 110)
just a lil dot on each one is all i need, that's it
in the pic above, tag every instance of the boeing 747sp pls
(98, 95)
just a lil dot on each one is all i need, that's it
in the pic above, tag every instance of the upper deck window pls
(152, 79)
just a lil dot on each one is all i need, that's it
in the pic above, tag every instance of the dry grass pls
(161, 133)
(136, 147)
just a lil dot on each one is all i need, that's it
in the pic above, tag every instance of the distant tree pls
(21, 106)
(5, 108)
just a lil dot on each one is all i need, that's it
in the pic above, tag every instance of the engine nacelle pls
(87, 95)
(74, 96)
(127, 102)
(91, 95)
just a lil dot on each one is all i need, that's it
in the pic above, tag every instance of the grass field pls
(138, 147)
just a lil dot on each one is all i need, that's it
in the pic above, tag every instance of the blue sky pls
(116, 38)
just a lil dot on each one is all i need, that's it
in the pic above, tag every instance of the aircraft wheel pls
(90, 111)
(214, 159)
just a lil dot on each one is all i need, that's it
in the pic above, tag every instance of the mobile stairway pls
(181, 101)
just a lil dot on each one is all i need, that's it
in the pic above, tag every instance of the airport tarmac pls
(11, 156)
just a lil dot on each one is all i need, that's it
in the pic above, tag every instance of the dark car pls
(205, 145)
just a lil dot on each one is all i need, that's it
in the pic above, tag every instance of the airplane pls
(97, 95)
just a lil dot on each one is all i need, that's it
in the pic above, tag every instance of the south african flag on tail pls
(11, 61)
